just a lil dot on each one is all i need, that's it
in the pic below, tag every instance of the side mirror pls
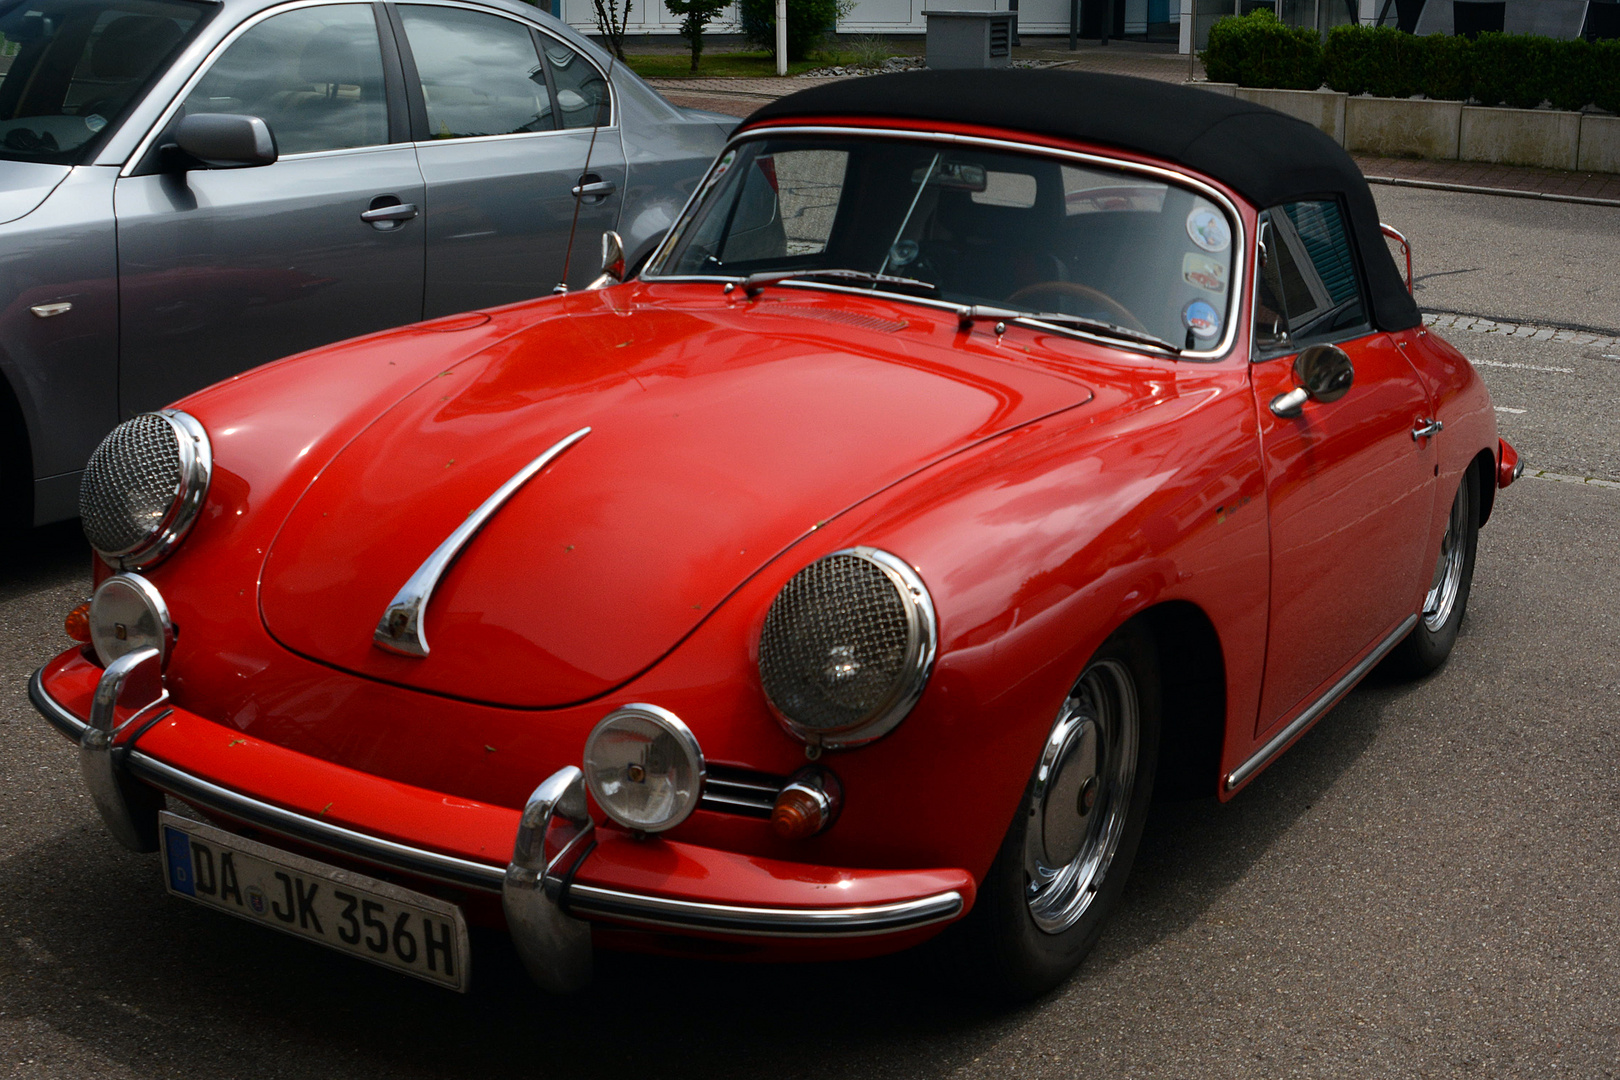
(612, 261)
(226, 140)
(1321, 373)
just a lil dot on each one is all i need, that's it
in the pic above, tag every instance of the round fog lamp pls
(644, 768)
(128, 613)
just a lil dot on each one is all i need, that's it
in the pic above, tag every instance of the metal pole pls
(1074, 25)
(1192, 40)
(1108, 21)
(781, 37)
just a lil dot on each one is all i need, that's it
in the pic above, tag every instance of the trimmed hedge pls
(1519, 70)
(1257, 50)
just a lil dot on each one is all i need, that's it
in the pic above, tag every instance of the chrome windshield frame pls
(1240, 242)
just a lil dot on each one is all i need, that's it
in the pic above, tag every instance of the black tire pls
(1430, 642)
(1014, 957)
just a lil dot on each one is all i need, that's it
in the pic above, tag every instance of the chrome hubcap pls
(1081, 796)
(1448, 569)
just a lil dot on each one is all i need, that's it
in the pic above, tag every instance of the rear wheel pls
(1064, 861)
(1430, 641)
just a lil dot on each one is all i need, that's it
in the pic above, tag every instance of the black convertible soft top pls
(1264, 155)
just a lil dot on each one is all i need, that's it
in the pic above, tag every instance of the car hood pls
(719, 437)
(24, 185)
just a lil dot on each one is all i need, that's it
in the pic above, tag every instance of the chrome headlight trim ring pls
(140, 603)
(195, 463)
(912, 679)
(671, 725)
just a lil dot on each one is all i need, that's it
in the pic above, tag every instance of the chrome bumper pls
(545, 907)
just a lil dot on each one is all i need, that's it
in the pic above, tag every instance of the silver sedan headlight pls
(143, 487)
(847, 647)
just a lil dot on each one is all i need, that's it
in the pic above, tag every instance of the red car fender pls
(1035, 547)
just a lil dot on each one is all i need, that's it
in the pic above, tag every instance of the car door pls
(223, 269)
(1349, 488)
(508, 117)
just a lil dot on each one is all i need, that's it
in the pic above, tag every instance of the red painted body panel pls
(1046, 489)
(1350, 494)
(724, 429)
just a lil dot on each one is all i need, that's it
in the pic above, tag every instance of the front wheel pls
(1064, 861)
(1430, 641)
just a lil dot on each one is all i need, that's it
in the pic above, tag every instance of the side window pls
(1308, 284)
(582, 92)
(480, 73)
(315, 75)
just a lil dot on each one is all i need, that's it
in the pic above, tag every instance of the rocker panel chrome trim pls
(1319, 706)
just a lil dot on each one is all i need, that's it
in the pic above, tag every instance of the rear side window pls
(315, 75)
(582, 92)
(1309, 288)
(481, 74)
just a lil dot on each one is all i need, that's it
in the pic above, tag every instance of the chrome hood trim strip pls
(400, 629)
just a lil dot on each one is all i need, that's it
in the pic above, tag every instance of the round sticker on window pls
(1201, 318)
(1208, 229)
(95, 121)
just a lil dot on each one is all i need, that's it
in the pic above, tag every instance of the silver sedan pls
(191, 188)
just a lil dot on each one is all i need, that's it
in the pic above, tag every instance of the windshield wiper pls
(975, 312)
(754, 283)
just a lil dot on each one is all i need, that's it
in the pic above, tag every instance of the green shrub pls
(809, 22)
(1378, 60)
(1572, 81)
(1514, 68)
(1606, 75)
(1448, 67)
(1259, 51)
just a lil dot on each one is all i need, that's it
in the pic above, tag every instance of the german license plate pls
(374, 920)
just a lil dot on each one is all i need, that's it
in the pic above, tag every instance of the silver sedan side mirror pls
(612, 261)
(1321, 373)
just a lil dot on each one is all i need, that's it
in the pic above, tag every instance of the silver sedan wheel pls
(1081, 796)
(1448, 569)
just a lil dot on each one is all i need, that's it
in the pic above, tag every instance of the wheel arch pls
(1485, 462)
(16, 462)
(1192, 690)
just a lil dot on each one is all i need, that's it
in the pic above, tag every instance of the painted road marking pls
(1504, 408)
(1523, 367)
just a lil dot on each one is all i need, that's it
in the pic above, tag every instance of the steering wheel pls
(1075, 290)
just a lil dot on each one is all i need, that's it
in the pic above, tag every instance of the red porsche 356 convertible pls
(978, 453)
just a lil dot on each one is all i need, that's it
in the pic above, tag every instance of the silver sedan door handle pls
(600, 189)
(396, 212)
(1424, 428)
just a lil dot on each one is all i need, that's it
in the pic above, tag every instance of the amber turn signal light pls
(77, 623)
(807, 805)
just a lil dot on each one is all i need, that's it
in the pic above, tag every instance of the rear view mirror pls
(226, 140)
(612, 261)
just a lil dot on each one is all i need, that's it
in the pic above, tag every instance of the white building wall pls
(874, 16)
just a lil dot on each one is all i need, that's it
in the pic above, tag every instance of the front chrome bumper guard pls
(546, 909)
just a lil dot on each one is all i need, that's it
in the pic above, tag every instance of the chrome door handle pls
(1425, 428)
(396, 212)
(598, 188)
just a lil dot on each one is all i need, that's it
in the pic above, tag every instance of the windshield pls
(70, 69)
(968, 226)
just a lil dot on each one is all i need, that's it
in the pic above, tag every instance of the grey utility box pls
(969, 39)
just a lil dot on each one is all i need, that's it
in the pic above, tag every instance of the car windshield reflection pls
(1026, 235)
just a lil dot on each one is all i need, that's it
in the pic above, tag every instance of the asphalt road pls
(1426, 885)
